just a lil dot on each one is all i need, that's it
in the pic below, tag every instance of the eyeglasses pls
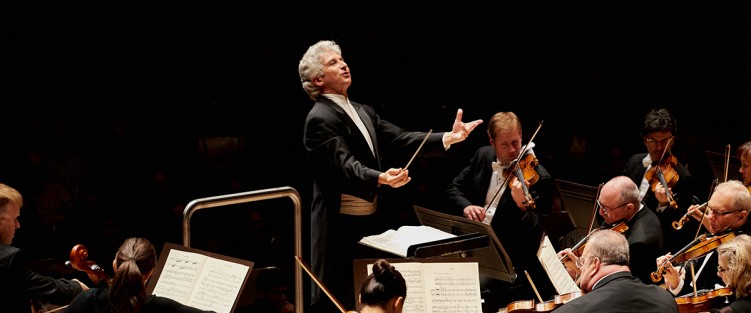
(580, 262)
(605, 210)
(719, 213)
(652, 141)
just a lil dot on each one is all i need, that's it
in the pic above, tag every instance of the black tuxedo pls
(19, 284)
(684, 191)
(520, 233)
(644, 243)
(622, 292)
(342, 163)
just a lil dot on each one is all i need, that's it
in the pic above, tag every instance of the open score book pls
(200, 279)
(399, 241)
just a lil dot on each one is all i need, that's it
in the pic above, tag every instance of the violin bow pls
(594, 208)
(727, 162)
(516, 164)
(305, 266)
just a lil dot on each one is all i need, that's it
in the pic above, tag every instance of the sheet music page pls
(179, 275)
(452, 287)
(399, 241)
(440, 287)
(554, 268)
(218, 285)
(200, 281)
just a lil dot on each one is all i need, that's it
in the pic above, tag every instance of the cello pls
(78, 256)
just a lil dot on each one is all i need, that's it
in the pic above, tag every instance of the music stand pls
(492, 259)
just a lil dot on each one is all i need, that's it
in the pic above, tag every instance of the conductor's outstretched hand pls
(461, 130)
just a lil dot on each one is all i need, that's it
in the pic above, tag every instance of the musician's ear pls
(399, 304)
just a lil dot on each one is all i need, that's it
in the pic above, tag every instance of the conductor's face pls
(336, 77)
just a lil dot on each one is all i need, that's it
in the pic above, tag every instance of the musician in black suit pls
(346, 142)
(726, 213)
(659, 134)
(619, 203)
(608, 283)
(488, 190)
(20, 284)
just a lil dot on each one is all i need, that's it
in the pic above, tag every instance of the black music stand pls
(492, 259)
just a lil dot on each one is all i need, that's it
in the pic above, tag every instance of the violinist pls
(735, 270)
(20, 284)
(726, 211)
(608, 284)
(744, 155)
(619, 202)
(479, 193)
(384, 290)
(133, 264)
(659, 133)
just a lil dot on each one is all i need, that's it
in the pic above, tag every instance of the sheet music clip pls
(457, 246)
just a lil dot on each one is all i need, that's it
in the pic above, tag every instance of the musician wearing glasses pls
(735, 270)
(726, 211)
(659, 136)
(608, 283)
(619, 202)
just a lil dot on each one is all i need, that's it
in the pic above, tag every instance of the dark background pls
(104, 104)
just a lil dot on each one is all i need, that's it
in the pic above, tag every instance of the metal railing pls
(252, 196)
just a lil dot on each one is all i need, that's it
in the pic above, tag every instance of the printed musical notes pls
(441, 287)
(201, 281)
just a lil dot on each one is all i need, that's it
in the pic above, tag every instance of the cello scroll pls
(78, 260)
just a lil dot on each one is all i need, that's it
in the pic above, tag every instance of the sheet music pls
(557, 273)
(440, 287)
(200, 281)
(399, 241)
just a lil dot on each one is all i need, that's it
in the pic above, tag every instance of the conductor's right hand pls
(475, 213)
(394, 177)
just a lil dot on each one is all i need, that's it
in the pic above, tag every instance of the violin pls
(703, 300)
(546, 306)
(663, 173)
(525, 171)
(531, 306)
(578, 249)
(78, 256)
(695, 249)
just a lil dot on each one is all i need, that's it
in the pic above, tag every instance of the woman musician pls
(725, 212)
(735, 270)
